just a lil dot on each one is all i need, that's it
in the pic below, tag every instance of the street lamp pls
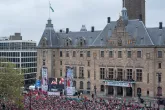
(30, 100)
(158, 89)
(95, 89)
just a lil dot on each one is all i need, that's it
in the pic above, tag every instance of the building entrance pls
(110, 90)
(129, 91)
(119, 91)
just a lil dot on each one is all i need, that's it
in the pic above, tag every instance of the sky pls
(30, 16)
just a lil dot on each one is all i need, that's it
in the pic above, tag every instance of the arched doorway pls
(159, 91)
(129, 91)
(139, 91)
(119, 91)
(110, 90)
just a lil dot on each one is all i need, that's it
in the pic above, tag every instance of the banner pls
(54, 93)
(69, 77)
(38, 83)
(44, 79)
(70, 91)
(117, 83)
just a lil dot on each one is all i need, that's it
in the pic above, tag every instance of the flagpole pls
(49, 9)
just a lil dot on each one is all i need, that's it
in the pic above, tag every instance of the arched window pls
(88, 85)
(81, 85)
(74, 84)
(139, 90)
(159, 91)
(102, 88)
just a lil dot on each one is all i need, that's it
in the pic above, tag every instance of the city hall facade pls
(123, 59)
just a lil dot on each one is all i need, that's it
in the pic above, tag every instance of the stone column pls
(105, 90)
(124, 91)
(133, 90)
(115, 91)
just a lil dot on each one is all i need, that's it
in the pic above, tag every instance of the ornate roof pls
(133, 34)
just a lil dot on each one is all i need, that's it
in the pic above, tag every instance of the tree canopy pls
(11, 81)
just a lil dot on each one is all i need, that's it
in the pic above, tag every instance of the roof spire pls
(49, 24)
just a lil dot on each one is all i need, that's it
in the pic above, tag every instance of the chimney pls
(92, 29)
(140, 17)
(108, 19)
(160, 25)
(60, 30)
(67, 30)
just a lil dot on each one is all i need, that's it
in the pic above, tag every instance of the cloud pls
(30, 16)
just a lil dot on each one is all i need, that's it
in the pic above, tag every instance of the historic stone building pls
(136, 9)
(122, 59)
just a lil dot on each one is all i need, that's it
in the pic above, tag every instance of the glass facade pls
(24, 55)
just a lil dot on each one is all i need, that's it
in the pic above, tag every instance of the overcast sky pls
(30, 16)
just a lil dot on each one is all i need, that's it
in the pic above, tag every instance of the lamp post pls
(158, 89)
(30, 100)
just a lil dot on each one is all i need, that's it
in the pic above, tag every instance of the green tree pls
(11, 81)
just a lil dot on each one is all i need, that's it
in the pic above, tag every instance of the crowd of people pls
(37, 100)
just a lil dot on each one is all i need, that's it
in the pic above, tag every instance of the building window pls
(61, 72)
(111, 54)
(43, 53)
(148, 92)
(74, 84)
(88, 85)
(159, 65)
(110, 75)
(88, 54)
(102, 88)
(60, 62)
(139, 54)
(119, 54)
(102, 53)
(67, 53)
(74, 53)
(74, 72)
(159, 78)
(88, 63)
(148, 77)
(81, 85)
(139, 75)
(81, 72)
(43, 62)
(88, 73)
(129, 54)
(60, 53)
(53, 53)
(129, 74)
(120, 74)
(81, 53)
(102, 73)
(160, 54)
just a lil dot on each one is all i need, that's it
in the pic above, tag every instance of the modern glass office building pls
(22, 53)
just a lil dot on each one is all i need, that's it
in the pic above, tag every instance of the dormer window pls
(82, 42)
(119, 42)
(68, 42)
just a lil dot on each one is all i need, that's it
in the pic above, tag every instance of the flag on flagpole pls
(51, 7)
